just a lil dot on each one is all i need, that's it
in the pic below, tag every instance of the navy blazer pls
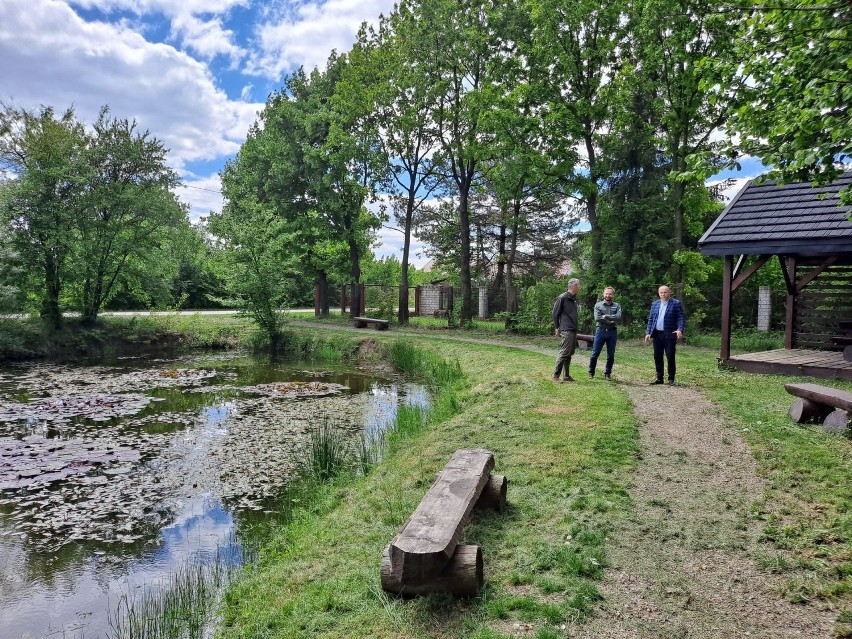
(674, 319)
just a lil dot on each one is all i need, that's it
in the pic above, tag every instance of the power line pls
(198, 188)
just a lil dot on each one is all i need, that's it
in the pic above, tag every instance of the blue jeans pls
(608, 337)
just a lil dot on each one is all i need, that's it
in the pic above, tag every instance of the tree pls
(405, 95)
(672, 40)
(793, 108)
(463, 49)
(250, 247)
(41, 157)
(575, 48)
(124, 210)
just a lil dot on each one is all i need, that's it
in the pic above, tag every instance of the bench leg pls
(493, 495)
(804, 410)
(837, 422)
(462, 576)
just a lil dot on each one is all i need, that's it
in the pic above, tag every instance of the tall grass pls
(425, 365)
(182, 608)
(326, 455)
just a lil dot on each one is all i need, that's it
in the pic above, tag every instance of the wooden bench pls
(818, 403)
(425, 556)
(585, 341)
(380, 324)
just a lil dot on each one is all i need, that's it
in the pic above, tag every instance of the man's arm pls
(651, 319)
(598, 312)
(557, 308)
(681, 316)
(616, 316)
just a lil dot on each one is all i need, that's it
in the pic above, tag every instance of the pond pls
(115, 479)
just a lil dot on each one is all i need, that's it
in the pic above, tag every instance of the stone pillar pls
(764, 308)
(483, 302)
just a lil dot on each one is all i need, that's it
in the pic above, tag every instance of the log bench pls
(363, 322)
(818, 403)
(585, 341)
(425, 556)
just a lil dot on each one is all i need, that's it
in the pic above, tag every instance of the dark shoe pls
(608, 377)
(591, 375)
(671, 382)
(568, 378)
(656, 381)
(556, 380)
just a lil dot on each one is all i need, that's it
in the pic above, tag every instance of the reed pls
(325, 456)
(182, 606)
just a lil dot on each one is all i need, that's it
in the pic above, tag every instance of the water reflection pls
(71, 548)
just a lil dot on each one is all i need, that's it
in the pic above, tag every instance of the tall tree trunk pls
(592, 207)
(50, 312)
(355, 275)
(497, 285)
(466, 314)
(322, 290)
(402, 313)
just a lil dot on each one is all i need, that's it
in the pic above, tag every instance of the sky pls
(195, 73)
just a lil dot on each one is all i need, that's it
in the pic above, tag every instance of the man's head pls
(664, 292)
(609, 294)
(573, 285)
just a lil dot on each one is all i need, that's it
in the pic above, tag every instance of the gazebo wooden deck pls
(797, 361)
(809, 231)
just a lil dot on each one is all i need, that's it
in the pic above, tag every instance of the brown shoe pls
(608, 377)
(568, 378)
(556, 380)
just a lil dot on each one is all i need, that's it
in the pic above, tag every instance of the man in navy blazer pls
(665, 327)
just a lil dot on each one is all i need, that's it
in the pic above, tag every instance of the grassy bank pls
(568, 470)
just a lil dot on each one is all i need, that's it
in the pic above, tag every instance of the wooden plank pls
(362, 322)
(822, 395)
(428, 540)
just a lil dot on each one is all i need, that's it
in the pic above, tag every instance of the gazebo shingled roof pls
(784, 219)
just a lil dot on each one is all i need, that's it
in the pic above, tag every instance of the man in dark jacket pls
(565, 323)
(665, 326)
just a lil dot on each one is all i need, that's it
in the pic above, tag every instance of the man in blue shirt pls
(665, 326)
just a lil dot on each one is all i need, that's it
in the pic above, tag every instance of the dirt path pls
(685, 565)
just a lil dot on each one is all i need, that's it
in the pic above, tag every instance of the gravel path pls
(685, 564)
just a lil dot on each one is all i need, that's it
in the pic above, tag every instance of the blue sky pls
(194, 73)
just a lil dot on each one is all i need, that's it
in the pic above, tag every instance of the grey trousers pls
(566, 349)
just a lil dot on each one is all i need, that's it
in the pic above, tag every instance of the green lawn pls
(568, 452)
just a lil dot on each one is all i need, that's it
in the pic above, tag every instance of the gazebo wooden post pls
(727, 278)
(788, 266)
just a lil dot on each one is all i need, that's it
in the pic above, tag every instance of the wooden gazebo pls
(810, 233)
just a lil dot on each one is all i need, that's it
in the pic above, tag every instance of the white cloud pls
(52, 57)
(305, 35)
(166, 7)
(206, 37)
(203, 196)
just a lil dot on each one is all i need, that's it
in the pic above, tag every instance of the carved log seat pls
(425, 556)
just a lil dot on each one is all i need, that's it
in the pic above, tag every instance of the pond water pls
(113, 479)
